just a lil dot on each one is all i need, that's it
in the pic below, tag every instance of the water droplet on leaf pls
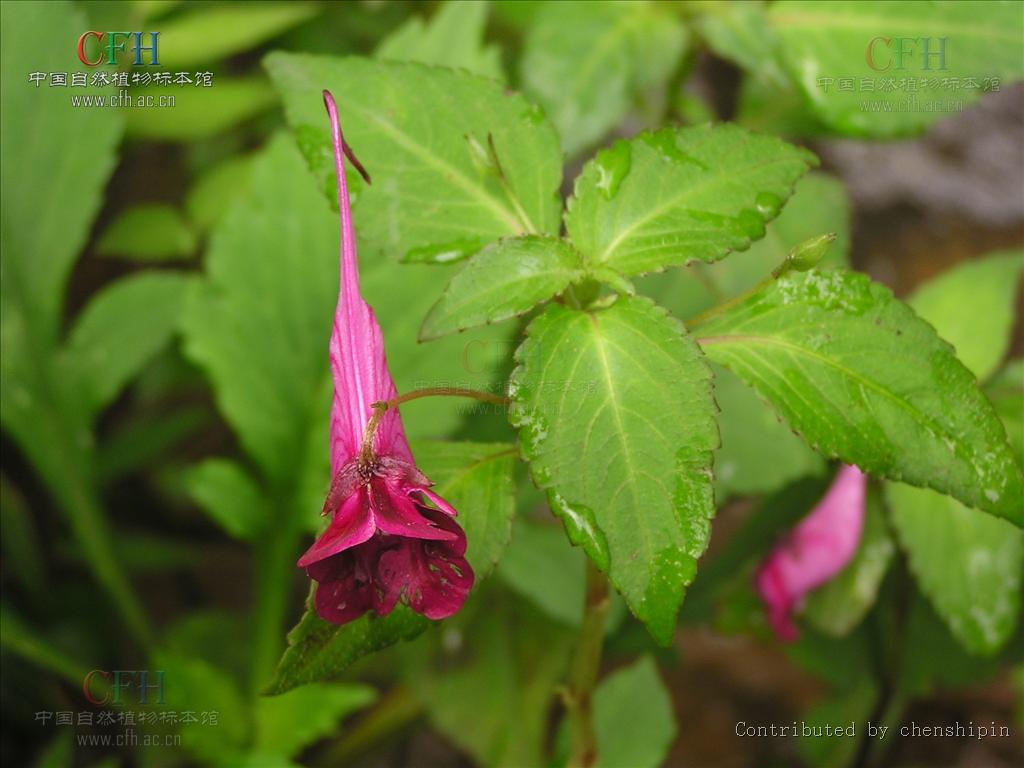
(581, 528)
(769, 204)
(443, 253)
(750, 224)
(612, 166)
(533, 114)
(665, 144)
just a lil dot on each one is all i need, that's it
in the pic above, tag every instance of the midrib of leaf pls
(920, 416)
(682, 198)
(446, 170)
(889, 23)
(613, 401)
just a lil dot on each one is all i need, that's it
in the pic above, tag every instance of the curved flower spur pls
(390, 538)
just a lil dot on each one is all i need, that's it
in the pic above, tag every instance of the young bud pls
(806, 255)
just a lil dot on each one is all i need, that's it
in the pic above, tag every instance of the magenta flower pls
(817, 549)
(391, 538)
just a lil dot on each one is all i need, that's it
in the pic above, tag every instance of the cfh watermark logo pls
(99, 48)
(120, 686)
(900, 53)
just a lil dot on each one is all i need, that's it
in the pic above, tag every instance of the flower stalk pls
(381, 407)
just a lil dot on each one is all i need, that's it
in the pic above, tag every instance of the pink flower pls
(817, 549)
(391, 538)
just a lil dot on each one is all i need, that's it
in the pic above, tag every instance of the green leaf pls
(541, 567)
(476, 479)
(210, 33)
(634, 695)
(504, 280)
(680, 195)
(836, 40)
(56, 160)
(768, 108)
(967, 563)
(740, 33)
(840, 604)
(759, 454)
(219, 638)
(120, 330)
(452, 38)
(855, 705)
(409, 125)
(819, 205)
(843, 663)
(146, 439)
(213, 192)
(197, 113)
(196, 685)
(232, 498)
(488, 680)
(585, 62)
(152, 232)
(52, 185)
(319, 651)
(20, 544)
(286, 724)
(951, 302)
(821, 346)
(933, 659)
(616, 418)
(1006, 391)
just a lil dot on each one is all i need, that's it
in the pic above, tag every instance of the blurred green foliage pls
(167, 277)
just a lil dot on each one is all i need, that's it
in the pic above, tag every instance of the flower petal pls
(817, 549)
(351, 525)
(345, 591)
(432, 577)
(358, 362)
(396, 514)
(401, 472)
(441, 503)
(443, 521)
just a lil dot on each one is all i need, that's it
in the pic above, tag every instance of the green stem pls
(398, 709)
(582, 294)
(19, 639)
(696, 320)
(92, 532)
(586, 665)
(274, 563)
